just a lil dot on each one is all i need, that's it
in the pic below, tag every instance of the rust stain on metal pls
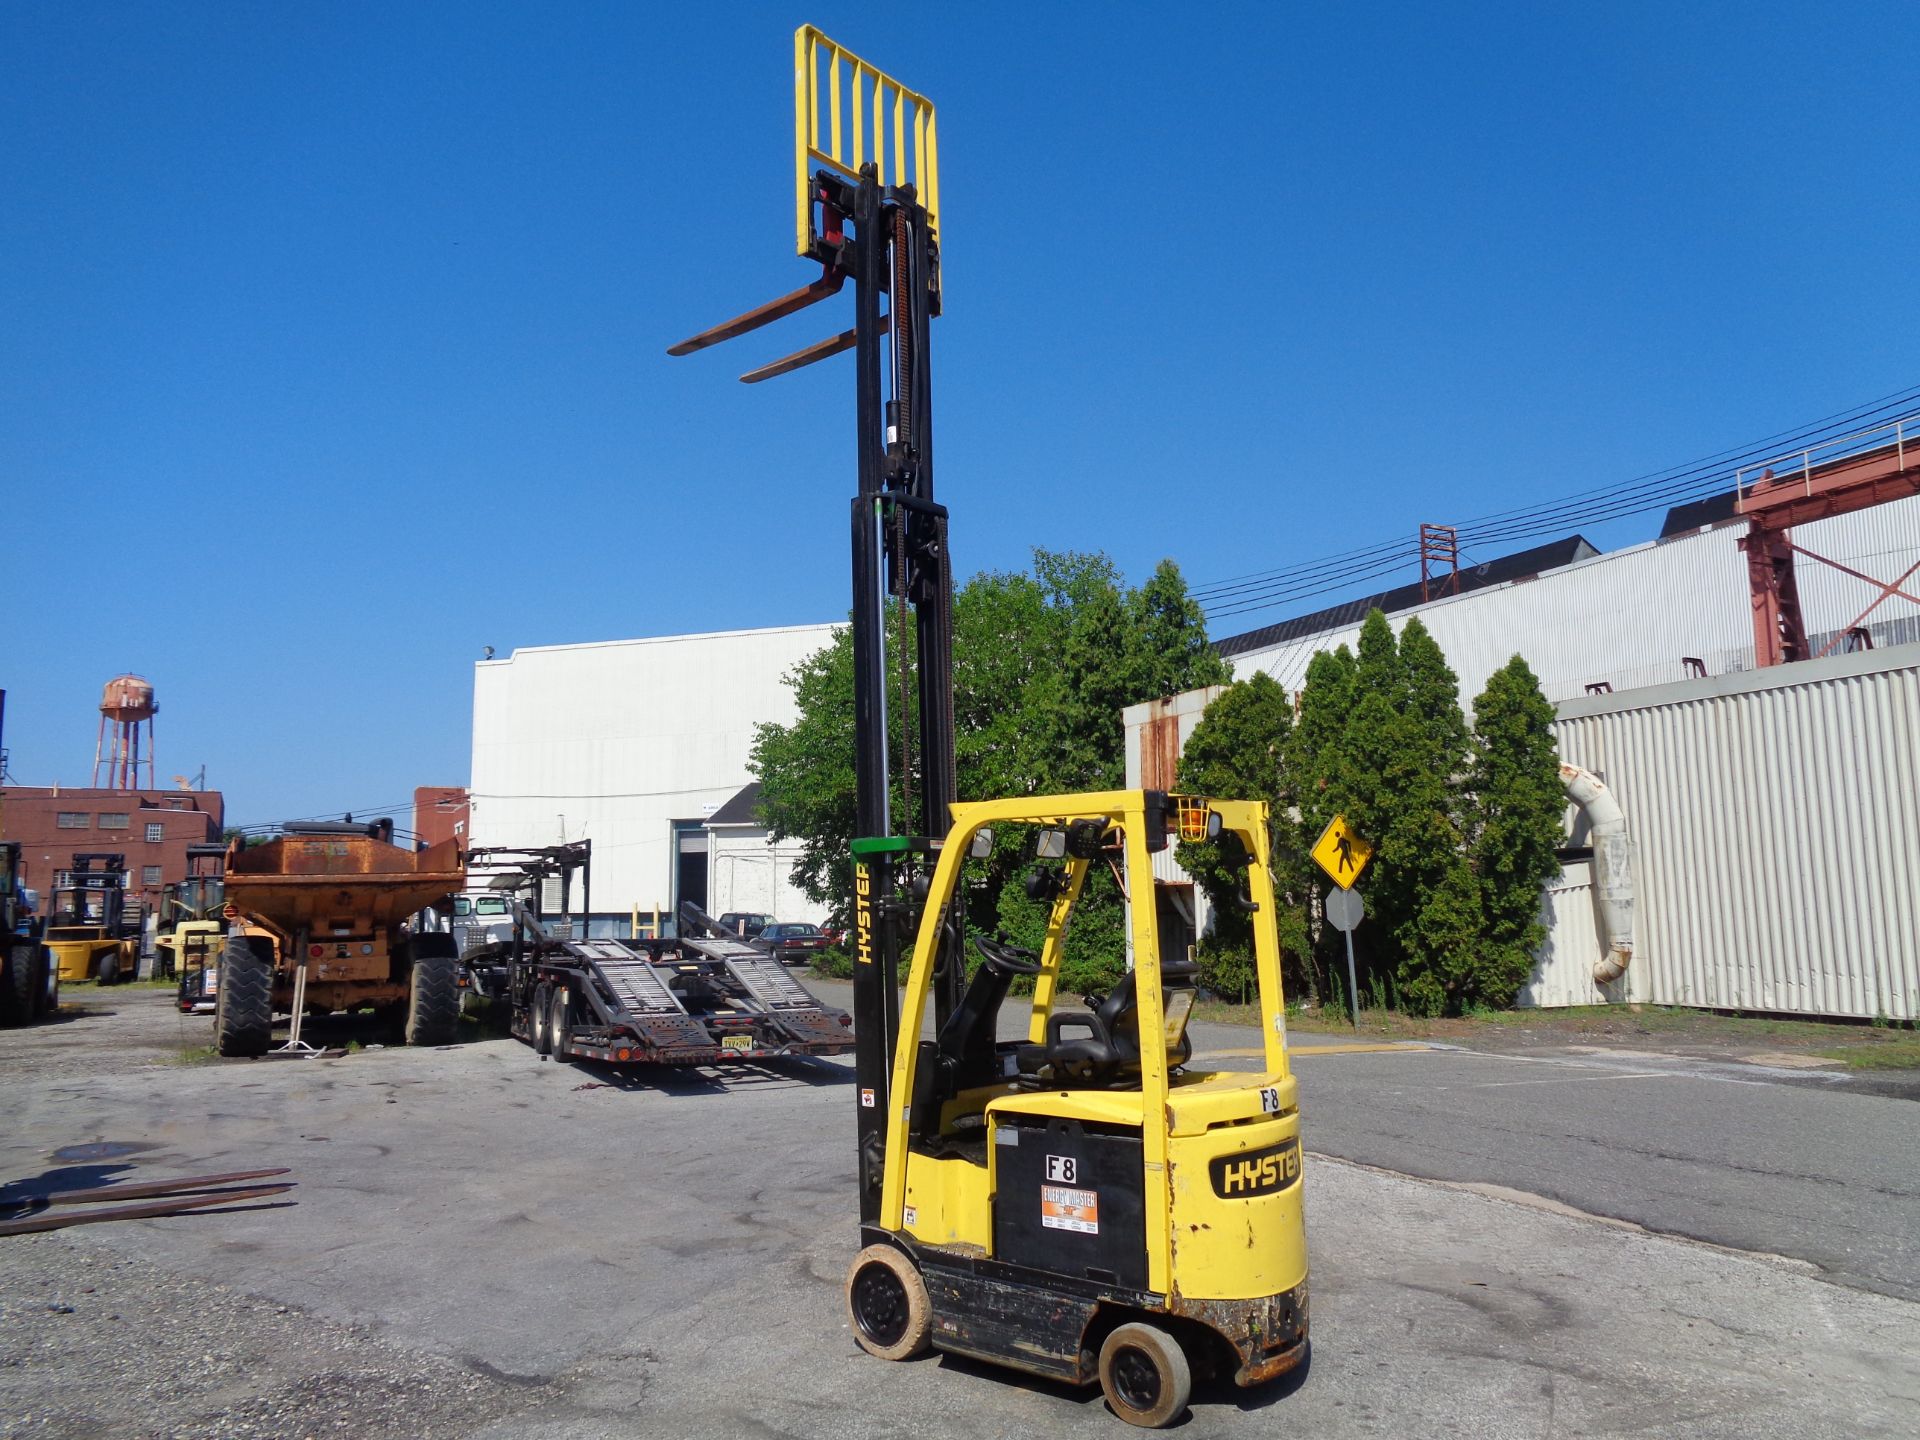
(1269, 1334)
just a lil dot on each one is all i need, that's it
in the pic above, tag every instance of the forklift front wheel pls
(887, 1299)
(1145, 1376)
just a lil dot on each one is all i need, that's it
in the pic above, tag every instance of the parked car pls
(792, 943)
(745, 923)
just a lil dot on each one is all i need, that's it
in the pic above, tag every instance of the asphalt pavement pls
(584, 1253)
(1781, 1161)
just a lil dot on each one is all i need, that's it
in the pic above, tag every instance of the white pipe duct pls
(1612, 868)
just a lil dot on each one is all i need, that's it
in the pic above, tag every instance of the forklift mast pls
(898, 530)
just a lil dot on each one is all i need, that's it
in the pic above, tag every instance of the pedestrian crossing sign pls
(1341, 852)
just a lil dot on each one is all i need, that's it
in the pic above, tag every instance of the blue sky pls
(333, 337)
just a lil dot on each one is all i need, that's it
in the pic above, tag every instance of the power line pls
(1695, 479)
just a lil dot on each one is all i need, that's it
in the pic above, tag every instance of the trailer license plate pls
(736, 1042)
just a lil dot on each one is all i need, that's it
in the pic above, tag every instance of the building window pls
(73, 820)
(113, 822)
(149, 874)
(156, 832)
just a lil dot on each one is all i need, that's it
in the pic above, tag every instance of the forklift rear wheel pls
(537, 1019)
(892, 1316)
(110, 970)
(1145, 1376)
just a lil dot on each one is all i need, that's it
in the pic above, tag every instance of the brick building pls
(152, 828)
(440, 813)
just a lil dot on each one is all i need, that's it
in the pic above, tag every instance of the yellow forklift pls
(89, 932)
(1078, 1203)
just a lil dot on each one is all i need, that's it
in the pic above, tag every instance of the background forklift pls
(1077, 1204)
(89, 930)
(192, 930)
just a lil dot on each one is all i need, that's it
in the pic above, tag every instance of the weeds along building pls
(637, 745)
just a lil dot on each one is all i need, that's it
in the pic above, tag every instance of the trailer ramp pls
(781, 999)
(636, 996)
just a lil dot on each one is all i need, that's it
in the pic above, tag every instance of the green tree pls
(1319, 765)
(1043, 664)
(1516, 812)
(1239, 750)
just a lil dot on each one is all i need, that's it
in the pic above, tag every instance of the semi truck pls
(332, 916)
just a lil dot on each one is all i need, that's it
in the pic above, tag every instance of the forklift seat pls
(1106, 1045)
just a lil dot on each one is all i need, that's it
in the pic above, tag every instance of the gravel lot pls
(484, 1245)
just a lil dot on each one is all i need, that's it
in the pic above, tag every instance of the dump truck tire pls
(887, 1301)
(243, 1015)
(1145, 1376)
(17, 987)
(433, 997)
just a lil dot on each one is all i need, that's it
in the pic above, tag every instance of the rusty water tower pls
(125, 705)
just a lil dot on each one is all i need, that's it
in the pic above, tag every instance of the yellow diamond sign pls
(1342, 853)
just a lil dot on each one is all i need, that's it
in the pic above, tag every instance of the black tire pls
(537, 1019)
(1145, 1376)
(110, 968)
(433, 995)
(243, 1013)
(887, 1302)
(560, 1020)
(46, 983)
(16, 985)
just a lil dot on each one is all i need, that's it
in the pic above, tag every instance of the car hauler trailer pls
(322, 918)
(698, 999)
(1080, 1205)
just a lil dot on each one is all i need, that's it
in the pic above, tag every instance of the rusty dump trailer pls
(335, 900)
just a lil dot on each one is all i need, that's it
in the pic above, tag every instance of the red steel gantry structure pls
(1862, 470)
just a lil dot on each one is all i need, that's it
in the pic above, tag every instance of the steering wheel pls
(1007, 959)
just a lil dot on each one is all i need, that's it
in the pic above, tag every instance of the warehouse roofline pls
(519, 650)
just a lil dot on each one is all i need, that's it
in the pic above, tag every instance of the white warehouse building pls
(637, 745)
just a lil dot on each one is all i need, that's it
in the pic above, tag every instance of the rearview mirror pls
(1051, 844)
(981, 846)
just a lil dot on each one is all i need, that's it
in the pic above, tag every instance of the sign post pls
(1344, 855)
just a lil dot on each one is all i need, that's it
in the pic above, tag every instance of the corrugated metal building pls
(1774, 819)
(633, 744)
(1625, 618)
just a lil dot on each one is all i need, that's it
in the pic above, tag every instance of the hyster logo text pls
(1261, 1172)
(862, 913)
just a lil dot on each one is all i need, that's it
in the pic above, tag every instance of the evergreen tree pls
(1517, 810)
(1318, 766)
